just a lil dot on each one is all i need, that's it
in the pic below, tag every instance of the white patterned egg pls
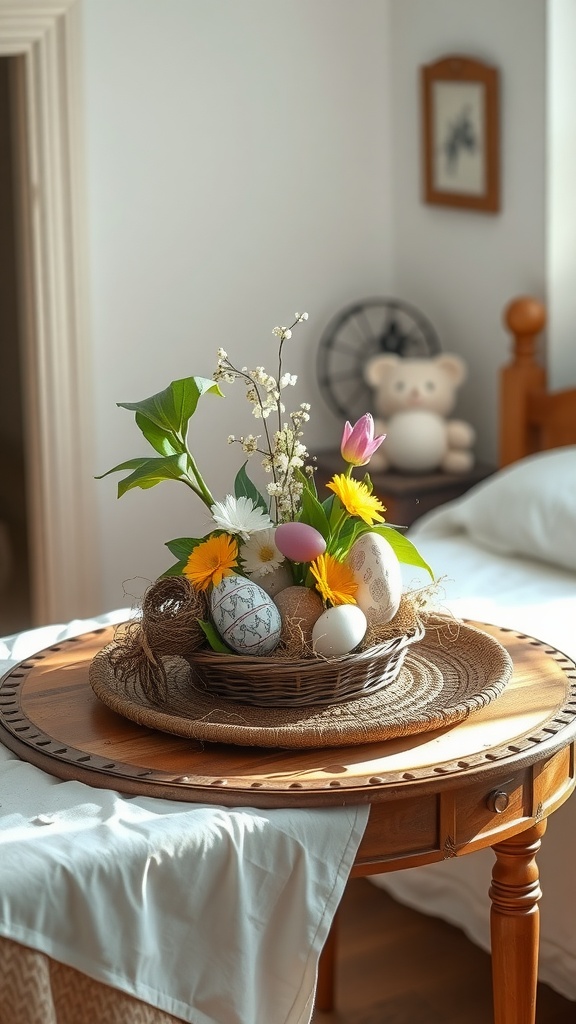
(338, 630)
(377, 572)
(245, 616)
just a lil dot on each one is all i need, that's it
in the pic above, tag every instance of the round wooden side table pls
(491, 780)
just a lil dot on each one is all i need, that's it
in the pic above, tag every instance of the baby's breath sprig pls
(283, 452)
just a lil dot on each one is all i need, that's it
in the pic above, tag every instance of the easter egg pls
(339, 630)
(299, 608)
(245, 616)
(377, 572)
(299, 542)
(276, 581)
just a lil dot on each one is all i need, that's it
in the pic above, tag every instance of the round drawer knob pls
(497, 801)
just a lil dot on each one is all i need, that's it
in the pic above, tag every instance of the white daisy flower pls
(260, 555)
(240, 515)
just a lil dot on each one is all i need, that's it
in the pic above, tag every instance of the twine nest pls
(169, 626)
(293, 675)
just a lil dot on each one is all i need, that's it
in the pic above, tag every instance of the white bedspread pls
(536, 598)
(208, 913)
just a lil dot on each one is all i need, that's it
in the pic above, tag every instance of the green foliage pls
(404, 549)
(164, 420)
(244, 488)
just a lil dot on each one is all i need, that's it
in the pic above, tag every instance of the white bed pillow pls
(526, 509)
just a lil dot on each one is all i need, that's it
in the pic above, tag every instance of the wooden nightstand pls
(406, 496)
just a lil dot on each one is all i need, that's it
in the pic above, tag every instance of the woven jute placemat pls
(453, 671)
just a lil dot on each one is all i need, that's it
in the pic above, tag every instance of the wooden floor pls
(396, 966)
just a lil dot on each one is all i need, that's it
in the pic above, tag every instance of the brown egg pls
(299, 608)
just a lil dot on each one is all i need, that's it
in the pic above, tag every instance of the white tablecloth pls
(208, 913)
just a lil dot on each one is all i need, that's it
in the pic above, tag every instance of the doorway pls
(15, 589)
(45, 42)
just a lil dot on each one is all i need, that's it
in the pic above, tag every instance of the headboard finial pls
(525, 318)
(521, 379)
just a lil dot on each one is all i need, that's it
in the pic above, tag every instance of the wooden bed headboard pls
(531, 417)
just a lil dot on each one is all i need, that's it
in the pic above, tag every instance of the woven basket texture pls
(277, 682)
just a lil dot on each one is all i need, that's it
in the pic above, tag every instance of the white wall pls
(462, 267)
(246, 160)
(238, 171)
(561, 176)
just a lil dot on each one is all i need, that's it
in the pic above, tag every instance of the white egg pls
(377, 572)
(339, 630)
(245, 616)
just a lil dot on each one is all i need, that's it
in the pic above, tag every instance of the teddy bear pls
(412, 401)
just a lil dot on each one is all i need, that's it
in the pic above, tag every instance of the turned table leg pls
(515, 926)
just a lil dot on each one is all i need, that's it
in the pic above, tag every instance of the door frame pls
(57, 393)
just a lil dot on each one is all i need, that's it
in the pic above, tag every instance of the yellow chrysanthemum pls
(357, 499)
(211, 561)
(334, 580)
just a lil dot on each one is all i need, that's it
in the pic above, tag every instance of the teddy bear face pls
(402, 385)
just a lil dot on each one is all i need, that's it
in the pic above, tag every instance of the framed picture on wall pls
(460, 134)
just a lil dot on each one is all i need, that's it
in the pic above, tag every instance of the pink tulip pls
(358, 442)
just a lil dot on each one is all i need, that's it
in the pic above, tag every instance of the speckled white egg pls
(245, 616)
(377, 572)
(339, 630)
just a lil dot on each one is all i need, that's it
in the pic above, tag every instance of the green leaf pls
(328, 505)
(175, 570)
(213, 637)
(169, 411)
(182, 547)
(163, 442)
(336, 510)
(349, 532)
(244, 488)
(405, 550)
(307, 480)
(130, 464)
(313, 514)
(149, 472)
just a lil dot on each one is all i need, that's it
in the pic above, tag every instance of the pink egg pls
(299, 542)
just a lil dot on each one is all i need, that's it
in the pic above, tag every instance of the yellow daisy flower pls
(335, 581)
(211, 561)
(357, 499)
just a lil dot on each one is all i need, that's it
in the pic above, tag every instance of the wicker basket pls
(274, 682)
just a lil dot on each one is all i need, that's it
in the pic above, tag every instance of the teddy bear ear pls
(453, 365)
(378, 368)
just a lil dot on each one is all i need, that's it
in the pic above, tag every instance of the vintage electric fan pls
(363, 329)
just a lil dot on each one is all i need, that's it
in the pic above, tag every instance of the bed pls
(507, 554)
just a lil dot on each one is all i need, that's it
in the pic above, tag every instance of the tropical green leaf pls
(130, 464)
(313, 514)
(170, 410)
(405, 550)
(148, 472)
(244, 488)
(213, 637)
(164, 442)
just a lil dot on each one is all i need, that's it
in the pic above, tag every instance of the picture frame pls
(461, 134)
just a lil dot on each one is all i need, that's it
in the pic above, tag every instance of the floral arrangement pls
(278, 560)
